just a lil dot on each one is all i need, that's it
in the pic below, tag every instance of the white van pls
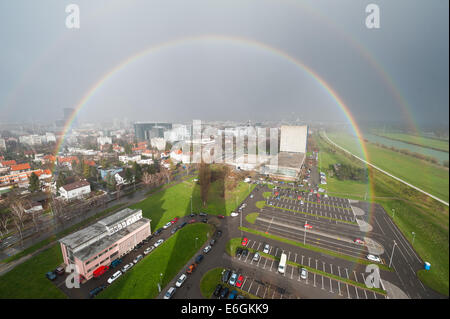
(282, 264)
(169, 293)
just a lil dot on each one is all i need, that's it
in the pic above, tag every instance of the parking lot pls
(313, 280)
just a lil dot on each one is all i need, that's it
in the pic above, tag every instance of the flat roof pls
(105, 242)
(95, 230)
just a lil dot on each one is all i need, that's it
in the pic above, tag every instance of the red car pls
(221, 216)
(244, 241)
(299, 197)
(173, 221)
(100, 271)
(240, 281)
(308, 226)
(191, 221)
(359, 241)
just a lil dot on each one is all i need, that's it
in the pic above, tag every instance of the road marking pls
(348, 293)
(316, 264)
(250, 285)
(265, 292)
(331, 286)
(314, 279)
(257, 290)
(264, 267)
(322, 283)
(356, 289)
(331, 267)
(271, 265)
(309, 261)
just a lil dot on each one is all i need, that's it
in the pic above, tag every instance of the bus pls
(282, 264)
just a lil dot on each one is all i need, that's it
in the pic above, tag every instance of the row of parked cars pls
(190, 269)
(230, 278)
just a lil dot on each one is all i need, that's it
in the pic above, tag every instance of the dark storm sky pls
(378, 73)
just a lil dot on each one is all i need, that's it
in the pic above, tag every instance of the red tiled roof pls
(20, 167)
(9, 163)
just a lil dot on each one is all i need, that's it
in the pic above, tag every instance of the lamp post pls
(392, 255)
(304, 238)
(414, 236)
(191, 204)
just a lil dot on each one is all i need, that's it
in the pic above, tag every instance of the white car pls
(303, 273)
(127, 267)
(138, 257)
(374, 258)
(256, 256)
(114, 277)
(169, 293)
(266, 249)
(180, 280)
(159, 242)
(207, 249)
(167, 225)
(251, 196)
(234, 214)
(148, 250)
(301, 203)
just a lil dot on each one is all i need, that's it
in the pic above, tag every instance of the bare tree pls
(5, 218)
(147, 179)
(18, 217)
(166, 174)
(57, 207)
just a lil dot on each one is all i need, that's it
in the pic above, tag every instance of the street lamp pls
(392, 255)
(304, 238)
(191, 204)
(414, 236)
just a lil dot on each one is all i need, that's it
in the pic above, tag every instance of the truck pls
(282, 264)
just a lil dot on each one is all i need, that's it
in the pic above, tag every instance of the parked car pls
(191, 268)
(240, 281)
(256, 256)
(238, 251)
(233, 279)
(245, 252)
(199, 259)
(173, 221)
(181, 280)
(60, 270)
(169, 294)
(218, 233)
(244, 241)
(221, 216)
(183, 224)
(191, 221)
(224, 293)
(116, 262)
(212, 242)
(217, 290)
(193, 215)
(167, 225)
(203, 214)
(359, 241)
(96, 291)
(234, 214)
(137, 259)
(226, 275)
(207, 249)
(266, 248)
(205, 220)
(114, 277)
(127, 267)
(374, 258)
(174, 230)
(232, 294)
(303, 273)
(100, 271)
(149, 250)
(158, 231)
(50, 275)
(158, 242)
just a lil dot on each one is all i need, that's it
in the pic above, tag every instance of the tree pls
(57, 207)
(18, 217)
(129, 176)
(86, 170)
(111, 182)
(137, 172)
(147, 179)
(35, 184)
(128, 149)
(5, 218)
(61, 180)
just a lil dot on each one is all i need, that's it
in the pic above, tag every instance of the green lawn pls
(232, 244)
(28, 280)
(427, 142)
(168, 259)
(429, 177)
(175, 201)
(251, 218)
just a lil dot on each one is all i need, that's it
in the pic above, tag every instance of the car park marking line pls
(257, 290)
(292, 273)
(314, 279)
(264, 267)
(356, 289)
(273, 294)
(331, 286)
(265, 290)
(331, 267)
(250, 285)
(271, 264)
(348, 293)
(339, 287)
(243, 284)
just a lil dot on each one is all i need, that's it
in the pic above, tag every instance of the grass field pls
(28, 280)
(414, 212)
(175, 201)
(429, 177)
(436, 144)
(168, 259)
(251, 218)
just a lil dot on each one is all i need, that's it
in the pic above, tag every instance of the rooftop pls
(75, 185)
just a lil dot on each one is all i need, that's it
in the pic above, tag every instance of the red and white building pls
(106, 240)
